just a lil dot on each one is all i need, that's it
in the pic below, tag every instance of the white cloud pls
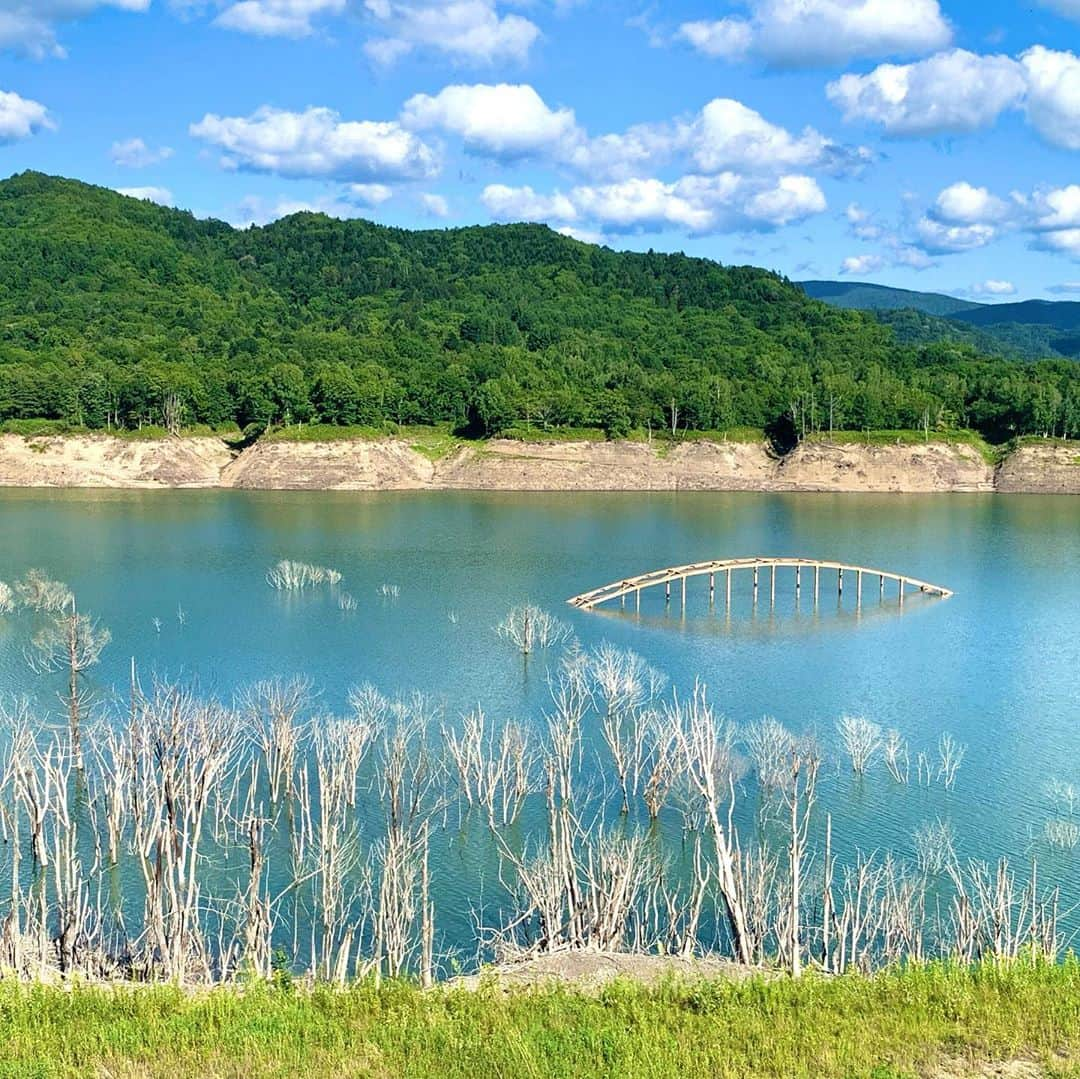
(585, 236)
(508, 122)
(861, 264)
(30, 25)
(963, 204)
(161, 195)
(994, 288)
(794, 198)
(1053, 218)
(465, 30)
(696, 204)
(504, 121)
(941, 238)
(435, 205)
(952, 92)
(277, 18)
(727, 134)
(1063, 241)
(317, 143)
(524, 204)
(20, 117)
(800, 33)
(135, 154)
(862, 223)
(1053, 97)
(1056, 208)
(1066, 288)
(371, 195)
(725, 39)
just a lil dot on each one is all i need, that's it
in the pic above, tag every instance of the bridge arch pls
(726, 567)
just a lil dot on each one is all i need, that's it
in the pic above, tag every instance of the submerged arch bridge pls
(807, 572)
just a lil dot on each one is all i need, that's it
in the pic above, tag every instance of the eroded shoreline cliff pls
(501, 465)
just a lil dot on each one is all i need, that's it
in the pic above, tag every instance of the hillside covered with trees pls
(120, 313)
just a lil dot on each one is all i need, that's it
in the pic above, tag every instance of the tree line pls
(116, 313)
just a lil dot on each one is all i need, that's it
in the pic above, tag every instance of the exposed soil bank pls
(501, 465)
(1051, 469)
(101, 461)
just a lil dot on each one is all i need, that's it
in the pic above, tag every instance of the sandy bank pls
(101, 461)
(502, 465)
(1053, 469)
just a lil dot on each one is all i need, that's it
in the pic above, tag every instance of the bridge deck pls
(617, 589)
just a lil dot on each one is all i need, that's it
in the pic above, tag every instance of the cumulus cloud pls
(524, 204)
(473, 31)
(728, 134)
(277, 18)
(20, 117)
(1053, 218)
(508, 122)
(857, 265)
(962, 203)
(30, 25)
(161, 195)
(801, 33)
(1053, 95)
(993, 287)
(696, 204)
(952, 92)
(371, 195)
(136, 154)
(504, 121)
(317, 143)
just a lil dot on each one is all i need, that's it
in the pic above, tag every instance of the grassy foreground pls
(912, 1022)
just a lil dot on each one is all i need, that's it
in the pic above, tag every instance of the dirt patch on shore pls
(503, 465)
(591, 971)
(349, 465)
(1053, 469)
(101, 461)
(927, 467)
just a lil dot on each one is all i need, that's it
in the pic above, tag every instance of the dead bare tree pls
(709, 760)
(72, 642)
(897, 757)
(495, 771)
(861, 740)
(529, 629)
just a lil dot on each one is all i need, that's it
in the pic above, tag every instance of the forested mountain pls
(865, 296)
(110, 307)
(1030, 329)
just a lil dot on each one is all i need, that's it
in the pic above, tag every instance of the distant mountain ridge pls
(1031, 329)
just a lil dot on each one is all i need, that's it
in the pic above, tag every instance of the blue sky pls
(931, 144)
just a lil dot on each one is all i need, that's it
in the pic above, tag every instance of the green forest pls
(118, 314)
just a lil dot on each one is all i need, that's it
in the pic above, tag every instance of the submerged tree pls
(529, 628)
(70, 642)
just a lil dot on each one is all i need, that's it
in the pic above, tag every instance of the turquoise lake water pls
(997, 665)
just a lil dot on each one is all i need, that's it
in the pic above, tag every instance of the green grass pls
(901, 1023)
(148, 433)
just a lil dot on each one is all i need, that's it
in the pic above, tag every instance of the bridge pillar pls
(727, 586)
(900, 595)
(712, 588)
(817, 577)
(772, 587)
(667, 592)
(858, 589)
(755, 584)
(839, 582)
(798, 582)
